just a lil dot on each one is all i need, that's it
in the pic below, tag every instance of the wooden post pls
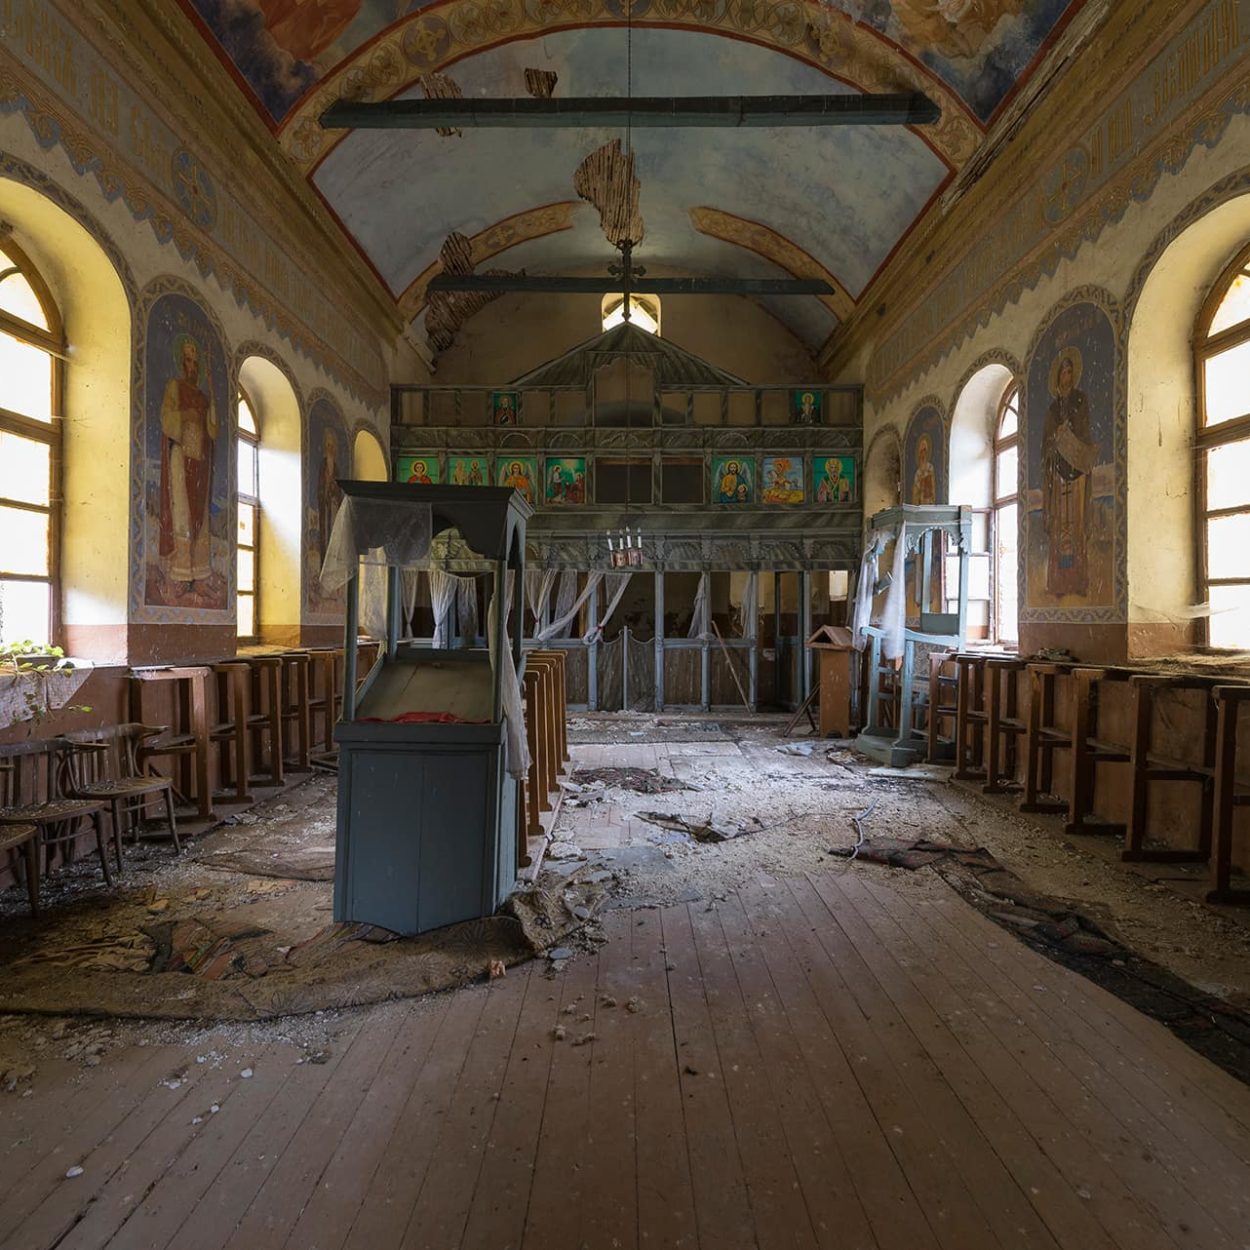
(753, 635)
(592, 652)
(777, 636)
(705, 647)
(349, 641)
(659, 641)
(805, 632)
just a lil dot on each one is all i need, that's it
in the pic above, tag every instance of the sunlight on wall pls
(96, 482)
(1161, 406)
(278, 415)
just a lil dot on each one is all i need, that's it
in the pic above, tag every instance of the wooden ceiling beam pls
(553, 285)
(726, 112)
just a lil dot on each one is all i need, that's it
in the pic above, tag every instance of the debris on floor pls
(701, 831)
(639, 780)
(914, 772)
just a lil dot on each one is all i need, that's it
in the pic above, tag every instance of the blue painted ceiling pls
(845, 196)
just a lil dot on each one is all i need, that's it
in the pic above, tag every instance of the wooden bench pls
(1089, 750)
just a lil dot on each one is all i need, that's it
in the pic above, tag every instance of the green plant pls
(35, 695)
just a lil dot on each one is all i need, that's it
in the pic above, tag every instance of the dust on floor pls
(797, 800)
(241, 928)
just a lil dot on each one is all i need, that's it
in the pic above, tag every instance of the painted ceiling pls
(832, 202)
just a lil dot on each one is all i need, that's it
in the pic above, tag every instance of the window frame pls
(51, 432)
(248, 499)
(1000, 443)
(1206, 438)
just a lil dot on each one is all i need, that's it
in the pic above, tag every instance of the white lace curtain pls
(538, 586)
(750, 607)
(518, 752)
(616, 584)
(559, 627)
(448, 590)
(700, 618)
(565, 597)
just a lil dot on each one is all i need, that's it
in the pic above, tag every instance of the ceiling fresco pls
(979, 48)
(832, 202)
(846, 195)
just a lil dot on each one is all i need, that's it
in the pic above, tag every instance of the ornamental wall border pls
(21, 95)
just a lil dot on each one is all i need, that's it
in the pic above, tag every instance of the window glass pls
(1228, 384)
(1228, 546)
(1228, 476)
(1005, 472)
(1235, 307)
(1229, 625)
(1006, 549)
(247, 570)
(25, 465)
(25, 611)
(643, 314)
(18, 298)
(25, 546)
(1011, 416)
(247, 525)
(247, 468)
(25, 378)
(247, 418)
(247, 616)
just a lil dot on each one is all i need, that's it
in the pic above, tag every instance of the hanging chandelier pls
(625, 548)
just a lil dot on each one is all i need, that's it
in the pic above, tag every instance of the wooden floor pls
(852, 1061)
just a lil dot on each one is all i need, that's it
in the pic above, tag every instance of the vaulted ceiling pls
(831, 203)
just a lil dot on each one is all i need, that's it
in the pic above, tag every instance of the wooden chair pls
(559, 660)
(943, 707)
(535, 798)
(1004, 725)
(295, 711)
(228, 728)
(37, 770)
(110, 769)
(325, 688)
(186, 742)
(21, 842)
(1151, 767)
(1043, 738)
(264, 717)
(1089, 749)
(970, 717)
(1229, 795)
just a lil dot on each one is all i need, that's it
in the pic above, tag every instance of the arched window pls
(249, 519)
(1006, 517)
(1222, 357)
(32, 347)
(644, 312)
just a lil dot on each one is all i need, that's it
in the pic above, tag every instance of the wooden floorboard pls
(1166, 1136)
(850, 1061)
